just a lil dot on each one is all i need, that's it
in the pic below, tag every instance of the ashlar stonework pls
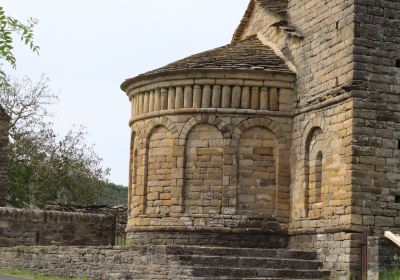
(292, 130)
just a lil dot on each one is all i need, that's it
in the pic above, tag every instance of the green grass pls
(390, 274)
(33, 276)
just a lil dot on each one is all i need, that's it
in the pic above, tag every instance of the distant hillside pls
(113, 195)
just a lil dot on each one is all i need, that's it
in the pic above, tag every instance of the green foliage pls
(45, 167)
(9, 27)
(34, 276)
(113, 195)
(390, 273)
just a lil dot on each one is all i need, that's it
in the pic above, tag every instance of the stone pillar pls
(140, 105)
(151, 101)
(197, 97)
(246, 98)
(226, 97)
(206, 100)
(157, 100)
(146, 103)
(236, 97)
(133, 107)
(171, 98)
(274, 99)
(255, 98)
(164, 99)
(216, 97)
(179, 98)
(188, 97)
(264, 99)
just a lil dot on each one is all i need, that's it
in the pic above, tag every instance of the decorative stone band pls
(257, 92)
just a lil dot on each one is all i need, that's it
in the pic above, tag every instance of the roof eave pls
(135, 80)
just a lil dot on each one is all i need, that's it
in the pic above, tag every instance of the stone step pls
(241, 278)
(242, 273)
(233, 251)
(247, 262)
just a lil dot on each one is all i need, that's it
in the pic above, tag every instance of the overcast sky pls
(88, 48)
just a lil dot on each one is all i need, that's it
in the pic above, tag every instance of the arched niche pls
(257, 173)
(203, 172)
(313, 171)
(158, 164)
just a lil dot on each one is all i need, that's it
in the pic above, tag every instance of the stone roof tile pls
(250, 53)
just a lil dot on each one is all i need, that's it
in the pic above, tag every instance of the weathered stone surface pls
(38, 227)
(4, 124)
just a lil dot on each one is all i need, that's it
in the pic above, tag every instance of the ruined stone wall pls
(36, 227)
(3, 157)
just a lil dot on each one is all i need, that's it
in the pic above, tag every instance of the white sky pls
(88, 48)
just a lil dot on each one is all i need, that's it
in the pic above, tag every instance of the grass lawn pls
(390, 274)
(34, 276)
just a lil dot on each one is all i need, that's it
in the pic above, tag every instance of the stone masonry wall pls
(36, 227)
(376, 149)
(323, 130)
(218, 141)
(99, 263)
(3, 158)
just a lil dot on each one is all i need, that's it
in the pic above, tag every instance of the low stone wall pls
(340, 252)
(37, 227)
(210, 237)
(108, 263)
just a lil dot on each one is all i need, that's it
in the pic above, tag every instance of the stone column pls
(188, 97)
(274, 99)
(140, 104)
(146, 102)
(133, 107)
(255, 98)
(264, 99)
(226, 97)
(151, 101)
(206, 100)
(197, 97)
(164, 99)
(246, 98)
(157, 100)
(216, 97)
(179, 98)
(236, 92)
(171, 98)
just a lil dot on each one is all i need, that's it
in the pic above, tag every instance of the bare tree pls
(43, 166)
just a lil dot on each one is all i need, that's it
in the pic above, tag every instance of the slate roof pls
(250, 53)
